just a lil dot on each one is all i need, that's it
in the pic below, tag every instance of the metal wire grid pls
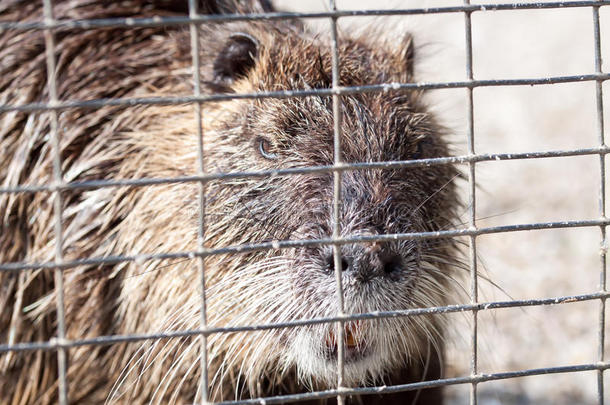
(62, 353)
(194, 31)
(472, 240)
(61, 345)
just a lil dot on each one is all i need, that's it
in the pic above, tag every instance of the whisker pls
(173, 369)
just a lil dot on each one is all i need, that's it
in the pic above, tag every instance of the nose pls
(367, 262)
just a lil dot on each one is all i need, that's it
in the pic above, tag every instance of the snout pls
(369, 261)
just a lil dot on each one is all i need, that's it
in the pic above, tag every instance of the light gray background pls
(537, 264)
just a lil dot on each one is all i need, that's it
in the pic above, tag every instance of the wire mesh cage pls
(54, 184)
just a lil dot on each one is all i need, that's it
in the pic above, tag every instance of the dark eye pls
(265, 148)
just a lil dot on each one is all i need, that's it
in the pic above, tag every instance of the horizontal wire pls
(476, 379)
(62, 25)
(373, 88)
(55, 344)
(285, 244)
(399, 164)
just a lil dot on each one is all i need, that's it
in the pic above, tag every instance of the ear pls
(235, 59)
(407, 56)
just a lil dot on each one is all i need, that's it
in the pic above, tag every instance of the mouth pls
(354, 342)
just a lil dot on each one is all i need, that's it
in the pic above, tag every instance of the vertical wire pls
(602, 201)
(337, 117)
(62, 352)
(472, 205)
(194, 32)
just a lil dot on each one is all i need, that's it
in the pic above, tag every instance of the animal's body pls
(119, 142)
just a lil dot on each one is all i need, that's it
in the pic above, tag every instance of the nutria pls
(160, 141)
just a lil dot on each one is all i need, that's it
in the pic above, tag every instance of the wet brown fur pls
(118, 142)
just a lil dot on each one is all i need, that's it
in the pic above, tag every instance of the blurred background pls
(520, 265)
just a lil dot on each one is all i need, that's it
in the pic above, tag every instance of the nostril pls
(344, 264)
(392, 264)
(330, 263)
